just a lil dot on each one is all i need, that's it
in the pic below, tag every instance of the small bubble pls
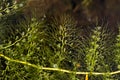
(20, 5)
(55, 65)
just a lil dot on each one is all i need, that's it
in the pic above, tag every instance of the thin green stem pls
(58, 69)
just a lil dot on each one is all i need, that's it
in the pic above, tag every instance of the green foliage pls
(56, 43)
(92, 50)
(8, 7)
(40, 43)
(10, 14)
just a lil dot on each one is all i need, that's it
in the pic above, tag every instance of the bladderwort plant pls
(9, 10)
(41, 43)
(8, 7)
(51, 44)
(63, 33)
(92, 50)
(52, 49)
(117, 48)
(97, 49)
(117, 51)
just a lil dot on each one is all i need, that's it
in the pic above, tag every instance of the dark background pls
(85, 12)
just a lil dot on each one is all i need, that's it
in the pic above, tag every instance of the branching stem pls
(57, 69)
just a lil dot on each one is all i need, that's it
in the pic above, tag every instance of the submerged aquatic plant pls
(56, 43)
